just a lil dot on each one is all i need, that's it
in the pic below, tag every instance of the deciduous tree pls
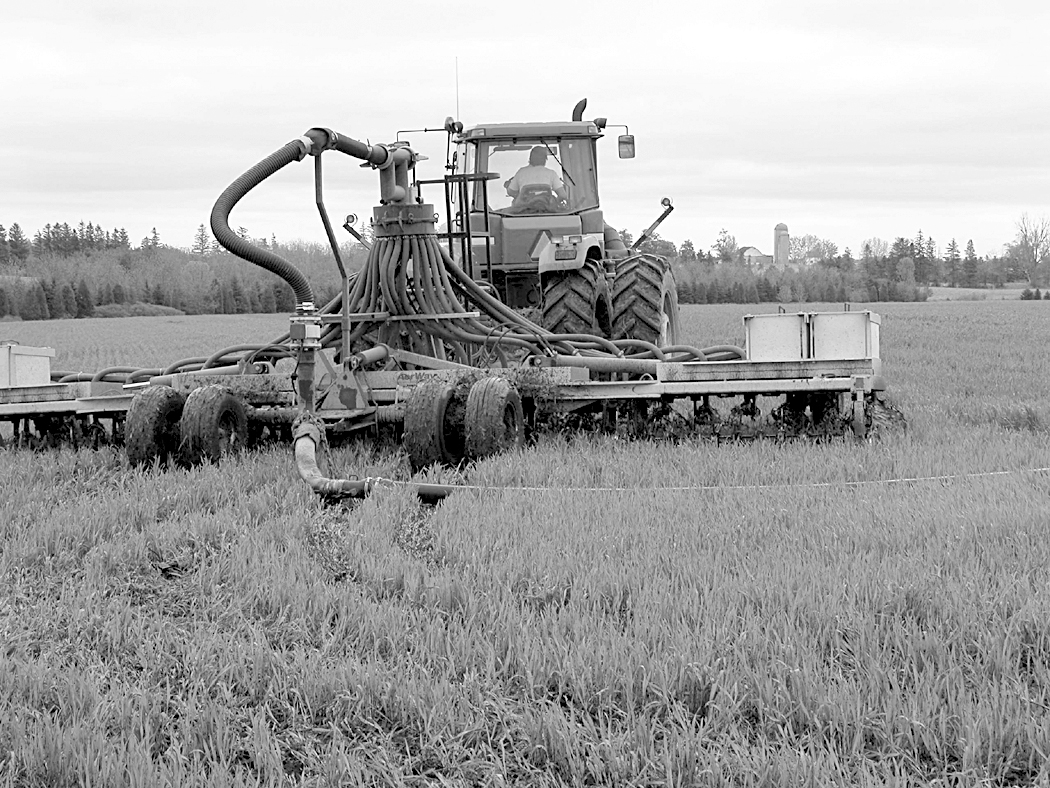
(1031, 247)
(725, 248)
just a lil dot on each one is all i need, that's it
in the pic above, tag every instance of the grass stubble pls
(792, 620)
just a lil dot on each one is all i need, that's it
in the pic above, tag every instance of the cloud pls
(743, 112)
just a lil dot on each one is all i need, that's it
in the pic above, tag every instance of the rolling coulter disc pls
(494, 420)
(151, 430)
(577, 302)
(95, 436)
(645, 301)
(434, 423)
(213, 424)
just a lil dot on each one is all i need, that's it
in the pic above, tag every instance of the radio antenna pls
(457, 87)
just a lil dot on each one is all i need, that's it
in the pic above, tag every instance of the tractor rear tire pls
(433, 433)
(152, 426)
(495, 421)
(577, 302)
(213, 425)
(645, 301)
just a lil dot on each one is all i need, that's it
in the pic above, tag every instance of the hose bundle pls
(413, 276)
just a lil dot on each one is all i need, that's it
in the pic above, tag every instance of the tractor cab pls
(562, 180)
(526, 185)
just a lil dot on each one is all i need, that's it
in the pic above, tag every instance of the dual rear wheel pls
(641, 303)
(162, 425)
(447, 422)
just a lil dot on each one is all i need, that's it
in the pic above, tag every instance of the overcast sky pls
(843, 119)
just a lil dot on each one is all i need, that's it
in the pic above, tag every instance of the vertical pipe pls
(304, 372)
(488, 234)
(319, 199)
(448, 210)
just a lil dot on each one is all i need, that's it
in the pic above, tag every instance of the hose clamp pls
(389, 156)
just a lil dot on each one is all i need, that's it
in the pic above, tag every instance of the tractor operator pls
(536, 174)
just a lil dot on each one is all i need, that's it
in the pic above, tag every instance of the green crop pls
(593, 611)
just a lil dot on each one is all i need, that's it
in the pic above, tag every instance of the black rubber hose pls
(264, 258)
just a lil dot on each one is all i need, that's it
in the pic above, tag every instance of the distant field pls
(1009, 293)
(94, 343)
(602, 613)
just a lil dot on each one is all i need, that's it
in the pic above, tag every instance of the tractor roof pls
(558, 128)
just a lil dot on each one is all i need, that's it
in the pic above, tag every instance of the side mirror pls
(625, 146)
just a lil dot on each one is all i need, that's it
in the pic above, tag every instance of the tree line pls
(84, 270)
(901, 270)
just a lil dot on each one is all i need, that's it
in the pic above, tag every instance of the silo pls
(781, 245)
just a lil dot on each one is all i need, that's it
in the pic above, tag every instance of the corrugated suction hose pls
(264, 258)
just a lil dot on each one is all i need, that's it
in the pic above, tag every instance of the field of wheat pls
(592, 611)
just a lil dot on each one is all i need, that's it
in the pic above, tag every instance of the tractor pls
(545, 245)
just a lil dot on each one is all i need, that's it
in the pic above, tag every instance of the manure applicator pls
(428, 335)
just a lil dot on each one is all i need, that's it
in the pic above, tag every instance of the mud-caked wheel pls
(884, 419)
(213, 424)
(495, 421)
(151, 429)
(434, 424)
(645, 301)
(577, 302)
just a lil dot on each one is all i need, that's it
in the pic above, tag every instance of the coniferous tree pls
(700, 293)
(918, 256)
(85, 299)
(284, 297)
(34, 303)
(54, 303)
(970, 265)
(238, 299)
(5, 307)
(933, 264)
(5, 250)
(119, 295)
(201, 242)
(952, 263)
(68, 299)
(18, 243)
(267, 302)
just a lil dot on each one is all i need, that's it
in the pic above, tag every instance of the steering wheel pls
(537, 198)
